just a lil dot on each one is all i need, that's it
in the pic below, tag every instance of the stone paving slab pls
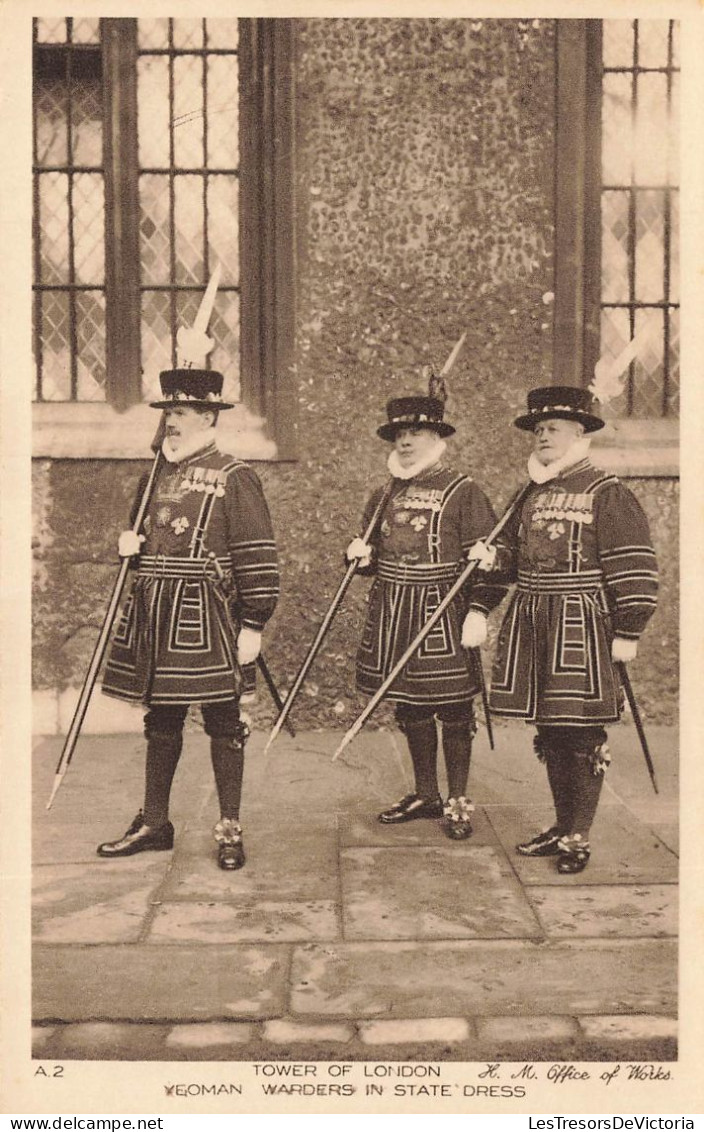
(606, 910)
(298, 775)
(63, 845)
(107, 758)
(472, 977)
(359, 830)
(669, 834)
(134, 982)
(102, 792)
(512, 773)
(285, 861)
(79, 810)
(628, 775)
(104, 902)
(265, 921)
(623, 850)
(449, 891)
(86, 791)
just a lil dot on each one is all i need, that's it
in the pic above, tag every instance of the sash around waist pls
(588, 581)
(164, 566)
(417, 573)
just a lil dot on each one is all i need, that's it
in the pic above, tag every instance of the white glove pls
(249, 643)
(483, 555)
(358, 548)
(622, 649)
(473, 630)
(129, 544)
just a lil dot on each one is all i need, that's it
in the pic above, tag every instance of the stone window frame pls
(264, 426)
(632, 447)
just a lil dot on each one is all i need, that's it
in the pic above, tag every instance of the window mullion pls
(206, 157)
(667, 249)
(251, 141)
(36, 238)
(630, 381)
(172, 198)
(122, 346)
(266, 224)
(592, 200)
(73, 333)
(570, 158)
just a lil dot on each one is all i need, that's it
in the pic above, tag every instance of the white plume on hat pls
(608, 383)
(193, 343)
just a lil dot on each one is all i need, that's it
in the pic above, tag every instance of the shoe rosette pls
(458, 809)
(227, 831)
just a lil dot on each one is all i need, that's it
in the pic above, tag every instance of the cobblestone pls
(282, 1031)
(399, 1031)
(546, 1028)
(201, 1035)
(637, 1027)
(472, 1039)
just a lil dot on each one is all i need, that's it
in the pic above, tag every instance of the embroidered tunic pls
(175, 640)
(419, 547)
(580, 552)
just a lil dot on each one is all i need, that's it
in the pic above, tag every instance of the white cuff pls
(249, 643)
(623, 649)
(474, 630)
(129, 544)
(360, 550)
(483, 555)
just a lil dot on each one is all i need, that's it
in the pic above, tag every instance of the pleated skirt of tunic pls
(553, 661)
(173, 645)
(439, 671)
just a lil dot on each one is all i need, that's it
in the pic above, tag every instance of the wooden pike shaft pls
(261, 663)
(200, 325)
(628, 689)
(325, 623)
(101, 645)
(477, 659)
(273, 691)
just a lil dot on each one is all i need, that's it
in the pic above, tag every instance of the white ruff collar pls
(432, 457)
(188, 447)
(541, 473)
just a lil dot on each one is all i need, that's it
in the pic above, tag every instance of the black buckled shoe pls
(228, 834)
(410, 808)
(544, 845)
(139, 838)
(574, 854)
(456, 822)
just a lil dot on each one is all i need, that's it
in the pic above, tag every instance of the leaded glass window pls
(640, 210)
(188, 125)
(185, 138)
(69, 246)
